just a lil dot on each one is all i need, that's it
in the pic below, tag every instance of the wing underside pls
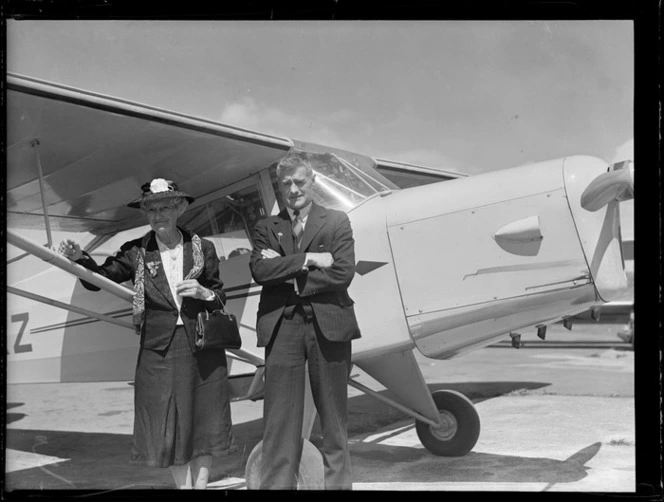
(93, 152)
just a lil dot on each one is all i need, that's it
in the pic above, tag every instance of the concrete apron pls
(527, 443)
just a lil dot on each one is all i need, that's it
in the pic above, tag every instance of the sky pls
(464, 96)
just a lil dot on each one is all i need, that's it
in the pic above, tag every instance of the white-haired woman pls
(182, 413)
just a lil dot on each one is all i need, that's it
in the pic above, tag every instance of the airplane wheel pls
(309, 477)
(459, 429)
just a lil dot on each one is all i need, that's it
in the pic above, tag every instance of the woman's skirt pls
(181, 405)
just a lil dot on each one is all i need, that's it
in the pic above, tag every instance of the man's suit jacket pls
(326, 230)
(161, 311)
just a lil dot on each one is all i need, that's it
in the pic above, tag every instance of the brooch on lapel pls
(279, 237)
(153, 266)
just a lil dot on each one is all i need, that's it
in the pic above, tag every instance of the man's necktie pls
(298, 228)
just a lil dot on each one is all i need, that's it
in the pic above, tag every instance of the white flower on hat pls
(159, 185)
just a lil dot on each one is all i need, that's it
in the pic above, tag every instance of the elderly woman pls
(182, 412)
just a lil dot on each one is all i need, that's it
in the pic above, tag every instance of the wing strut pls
(47, 223)
(57, 260)
(81, 272)
(35, 144)
(72, 308)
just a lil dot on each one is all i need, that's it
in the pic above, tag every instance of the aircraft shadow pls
(13, 417)
(419, 465)
(366, 413)
(481, 391)
(100, 461)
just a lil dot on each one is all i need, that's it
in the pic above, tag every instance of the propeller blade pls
(616, 184)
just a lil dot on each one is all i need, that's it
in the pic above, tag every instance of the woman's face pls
(162, 215)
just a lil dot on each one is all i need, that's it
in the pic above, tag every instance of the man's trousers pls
(298, 341)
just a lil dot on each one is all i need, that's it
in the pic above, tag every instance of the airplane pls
(444, 268)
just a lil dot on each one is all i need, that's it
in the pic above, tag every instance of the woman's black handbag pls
(217, 330)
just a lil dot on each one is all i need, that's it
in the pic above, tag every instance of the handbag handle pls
(223, 306)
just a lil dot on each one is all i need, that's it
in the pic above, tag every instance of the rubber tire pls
(311, 475)
(468, 425)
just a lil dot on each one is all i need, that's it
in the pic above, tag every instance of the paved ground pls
(555, 417)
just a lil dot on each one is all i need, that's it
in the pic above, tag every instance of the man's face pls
(296, 188)
(162, 215)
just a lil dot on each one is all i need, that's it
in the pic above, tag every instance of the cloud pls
(624, 151)
(251, 114)
(341, 115)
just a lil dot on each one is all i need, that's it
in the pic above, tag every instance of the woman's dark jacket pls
(160, 308)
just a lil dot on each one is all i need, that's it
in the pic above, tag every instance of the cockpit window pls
(228, 221)
(339, 184)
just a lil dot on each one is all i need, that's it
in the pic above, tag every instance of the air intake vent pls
(521, 237)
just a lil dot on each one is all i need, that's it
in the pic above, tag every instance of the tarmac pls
(554, 417)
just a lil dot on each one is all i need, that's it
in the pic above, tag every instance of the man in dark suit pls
(305, 260)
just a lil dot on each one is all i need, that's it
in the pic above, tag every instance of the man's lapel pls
(154, 265)
(283, 232)
(315, 221)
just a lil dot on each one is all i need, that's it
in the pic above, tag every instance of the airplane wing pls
(91, 152)
(75, 160)
(407, 175)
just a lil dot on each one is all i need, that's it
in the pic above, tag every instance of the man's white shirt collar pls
(304, 212)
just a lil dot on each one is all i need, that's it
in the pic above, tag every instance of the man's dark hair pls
(292, 161)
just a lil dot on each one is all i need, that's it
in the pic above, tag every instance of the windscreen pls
(339, 184)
